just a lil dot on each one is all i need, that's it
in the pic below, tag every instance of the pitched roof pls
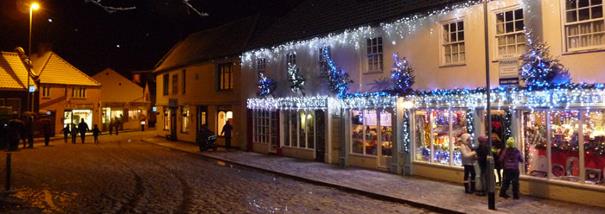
(117, 88)
(13, 73)
(226, 40)
(53, 69)
(320, 17)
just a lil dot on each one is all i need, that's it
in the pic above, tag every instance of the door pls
(201, 117)
(274, 131)
(320, 127)
(173, 124)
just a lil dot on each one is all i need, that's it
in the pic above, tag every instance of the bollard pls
(7, 184)
(491, 183)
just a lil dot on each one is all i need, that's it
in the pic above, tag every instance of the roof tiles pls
(53, 69)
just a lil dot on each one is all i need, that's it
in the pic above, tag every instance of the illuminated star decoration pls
(296, 79)
(539, 70)
(402, 75)
(266, 85)
(110, 9)
(338, 79)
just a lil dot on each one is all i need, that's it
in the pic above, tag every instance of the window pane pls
(518, 14)
(534, 128)
(453, 27)
(446, 34)
(441, 138)
(584, 14)
(459, 127)
(571, 4)
(572, 16)
(371, 131)
(310, 130)
(597, 12)
(596, 2)
(509, 27)
(564, 144)
(582, 3)
(460, 36)
(509, 16)
(423, 136)
(500, 28)
(594, 139)
(453, 37)
(519, 25)
(386, 133)
(460, 26)
(357, 132)
(302, 135)
(500, 18)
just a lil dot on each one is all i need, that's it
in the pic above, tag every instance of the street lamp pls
(32, 7)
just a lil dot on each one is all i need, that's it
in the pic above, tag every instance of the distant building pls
(13, 84)
(197, 83)
(66, 91)
(121, 100)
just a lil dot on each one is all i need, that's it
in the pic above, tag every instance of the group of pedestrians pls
(81, 129)
(505, 158)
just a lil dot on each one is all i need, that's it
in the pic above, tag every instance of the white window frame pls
(444, 44)
(295, 142)
(566, 25)
(374, 54)
(519, 35)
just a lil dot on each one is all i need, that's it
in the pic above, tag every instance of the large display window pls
(300, 129)
(75, 116)
(435, 133)
(553, 141)
(372, 132)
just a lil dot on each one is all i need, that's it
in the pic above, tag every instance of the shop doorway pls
(74, 116)
(320, 141)
(202, 117)
(372, 135)
(385, 151)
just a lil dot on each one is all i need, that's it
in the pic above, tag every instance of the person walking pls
(468, 161)
(116, 124)
(74, 133)
(482, 152)
(47, 133)
(66, 132)
(497, 148)
(227, 129)
(202, 137)
(510, 158)
(83, 128)
(95, 134)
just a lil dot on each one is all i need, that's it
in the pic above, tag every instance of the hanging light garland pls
(338, 79)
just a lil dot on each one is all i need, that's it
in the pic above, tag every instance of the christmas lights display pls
(508, 124)
(296, 79)
(405, 132)
(289, 103)
(374, 100)
(539, 69)
(402, 75)
(470, 125)
(266, 85)
(338, 79)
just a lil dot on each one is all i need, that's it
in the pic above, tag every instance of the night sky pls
(92, 38)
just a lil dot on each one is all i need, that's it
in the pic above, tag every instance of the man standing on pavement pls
(66, 132)
(74, 133)
(227, 128)
(83, 128)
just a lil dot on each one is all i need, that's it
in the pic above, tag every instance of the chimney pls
(136, 78)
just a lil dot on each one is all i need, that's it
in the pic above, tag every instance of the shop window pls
(300, 129)
(45, 91)
(594, 147)
(167, 119)
(535, 140)
(453, 43)
(225, 76)
(435, 133)
(585, 25)
(165, 84)
(372, 132)
(186, 119)
(223, 117)
(136, 114)
(175, 84)
(78, 92)
(510, 33)
(564, 157)
(374, 54)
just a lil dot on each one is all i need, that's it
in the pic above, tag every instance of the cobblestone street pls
(124, 175)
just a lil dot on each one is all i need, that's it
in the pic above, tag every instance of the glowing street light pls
(32, 7)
